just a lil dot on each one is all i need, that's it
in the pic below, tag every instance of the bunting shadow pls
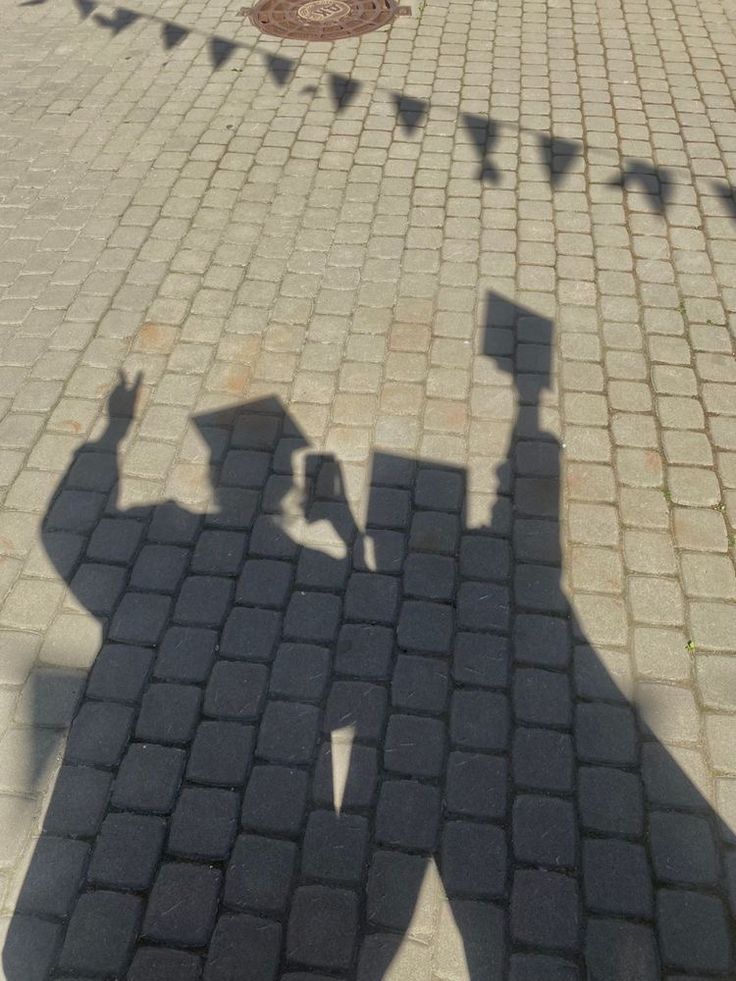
(410, 112)
(655, 183)
(484, 134)
(121, 19)
(558, 156)
(343, 90)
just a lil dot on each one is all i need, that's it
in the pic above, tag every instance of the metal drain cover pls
(323, 20)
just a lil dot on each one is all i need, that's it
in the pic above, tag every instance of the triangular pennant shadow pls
(343, 90)
(727, 195)
(484, 133)
(85, 7)
(411, 112)
(121, 19)
(655, 182)
(279, 68)
(31, 3)
(558, 156)
(172, 34)
(221, 50)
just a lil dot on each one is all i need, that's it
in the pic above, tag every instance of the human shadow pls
(309, 749)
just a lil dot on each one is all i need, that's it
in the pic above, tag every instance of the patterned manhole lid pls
(323, 20)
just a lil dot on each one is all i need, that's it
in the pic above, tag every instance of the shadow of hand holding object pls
(364, 753)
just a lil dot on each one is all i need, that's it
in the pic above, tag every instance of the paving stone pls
(99, 734)
(357, 704)
(683, 848)
(312, 616)
(101, 933)
(675, 776)
(425, 627)
(429, 577)
(473, 859)
(527, 967)
(218, 553)
(542, 759)
(434, 531)
(274, 800)
(148, 778)
(615, 950)
(483, 606)
(120, 673)
(544, 831)
(414, 747)
(17, 655)
(182, 906)
(204, 824)
(243, 947)
(371, 597)
(49, 698)
(541, 640)
(186, 654)
(30, 946)
(235, 691)
(617, 878)
(394, 882)
(541, 697)
(334, 847)
(53, 877)
(419, 684)
(260, 873)
(720, 745)
(322, 927)
(360, 782)
(605, 733)
(204, 601)
(693, 932)
(288, 732)
(610, 801)
(159, 964)
(716, 677)
(407, 815)
(264, 582)
(481, 660)
(114, 540)
(140, 619)
(300, 671)
(127, 851)
(544, 909)
(364, 651)
(479, 720)
(221, 754)
(476, 785)
(78, 802)
(168, 714)
(159, 568)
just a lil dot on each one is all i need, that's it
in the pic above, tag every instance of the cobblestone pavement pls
(368, 475)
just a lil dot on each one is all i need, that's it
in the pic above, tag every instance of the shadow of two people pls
(307, 747)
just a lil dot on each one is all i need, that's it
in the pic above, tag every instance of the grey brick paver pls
(390, 621)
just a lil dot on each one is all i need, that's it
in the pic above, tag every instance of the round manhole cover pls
(323, 20)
